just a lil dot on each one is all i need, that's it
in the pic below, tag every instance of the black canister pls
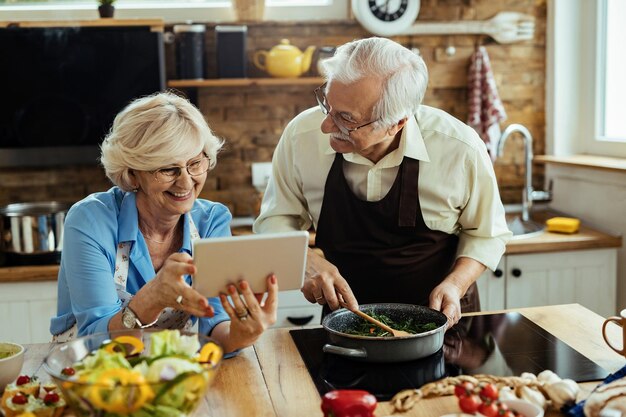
(190, 51)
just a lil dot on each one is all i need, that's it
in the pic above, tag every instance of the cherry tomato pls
(51, 398)
(507, 413)
(22, 379)
(489, 392)
(68, 371)
(19, 399)
(470, 403)
(463, 389)
(488, 409)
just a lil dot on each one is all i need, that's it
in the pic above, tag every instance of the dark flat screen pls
(64, 86)
(497, 344)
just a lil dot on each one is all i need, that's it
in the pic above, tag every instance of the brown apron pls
(383, 248)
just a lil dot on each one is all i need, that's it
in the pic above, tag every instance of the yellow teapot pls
(284, 60)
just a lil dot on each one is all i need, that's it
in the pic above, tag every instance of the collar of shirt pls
(128, 220)
(414, 148)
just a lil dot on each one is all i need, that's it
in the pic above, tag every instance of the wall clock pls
(386, 17)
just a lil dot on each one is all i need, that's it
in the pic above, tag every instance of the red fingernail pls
(210, 312)
(273, 279)
(223, 297)
(243, 285)
(232, 289)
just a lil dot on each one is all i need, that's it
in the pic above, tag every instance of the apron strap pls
(407, 211)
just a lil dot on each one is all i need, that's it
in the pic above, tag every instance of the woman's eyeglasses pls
(171, 174)
(320, 96)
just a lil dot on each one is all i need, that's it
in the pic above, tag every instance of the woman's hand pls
(248, 317)
(169, 289)
(324, 284)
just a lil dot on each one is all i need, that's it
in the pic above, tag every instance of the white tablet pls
(227, 260)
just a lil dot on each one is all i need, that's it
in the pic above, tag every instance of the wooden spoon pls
(394, 332)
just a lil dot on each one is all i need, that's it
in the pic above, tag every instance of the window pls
(611, 69)
(586, 87)
(171, 10)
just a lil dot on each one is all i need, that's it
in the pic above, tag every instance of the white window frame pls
(573, 96)
(173, 12)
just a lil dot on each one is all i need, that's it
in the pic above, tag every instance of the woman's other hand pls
(249, 318)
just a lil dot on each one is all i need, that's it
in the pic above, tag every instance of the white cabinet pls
(295, 310)
(587, 277)
(26, 309)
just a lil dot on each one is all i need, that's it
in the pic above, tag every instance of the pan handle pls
(339, 350)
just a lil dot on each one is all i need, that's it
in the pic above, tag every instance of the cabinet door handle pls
(498, 273)
(299, 321)
(516, 272)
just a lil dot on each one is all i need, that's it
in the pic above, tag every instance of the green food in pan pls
(410, 325)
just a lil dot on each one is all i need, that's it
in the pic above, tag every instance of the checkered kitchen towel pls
(485, 107)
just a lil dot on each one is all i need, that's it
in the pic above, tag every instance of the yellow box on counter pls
(563, 225)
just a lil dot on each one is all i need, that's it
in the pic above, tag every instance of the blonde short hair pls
(152, 132)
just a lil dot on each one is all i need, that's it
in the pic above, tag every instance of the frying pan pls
(384, 349)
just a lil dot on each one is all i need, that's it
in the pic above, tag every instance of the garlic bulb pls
(562, 393)
(506, 393)
(548, 377)
(532, 395)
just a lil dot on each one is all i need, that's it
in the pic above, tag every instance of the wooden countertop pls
(586, 238)
(270, 379)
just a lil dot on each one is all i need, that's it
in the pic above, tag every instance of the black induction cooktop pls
(497, 344)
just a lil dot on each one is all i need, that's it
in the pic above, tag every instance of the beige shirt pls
(457, 187)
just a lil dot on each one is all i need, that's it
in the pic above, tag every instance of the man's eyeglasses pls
(194, 168)
(320, 96)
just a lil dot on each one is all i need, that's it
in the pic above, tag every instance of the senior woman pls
(126, 259)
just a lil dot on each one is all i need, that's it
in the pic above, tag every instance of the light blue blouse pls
(93, 228)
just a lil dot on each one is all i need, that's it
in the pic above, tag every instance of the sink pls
(523, 229)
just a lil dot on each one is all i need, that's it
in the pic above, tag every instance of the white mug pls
(620, 321)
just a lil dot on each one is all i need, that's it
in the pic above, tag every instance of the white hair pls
(152, 132)
(403, 73)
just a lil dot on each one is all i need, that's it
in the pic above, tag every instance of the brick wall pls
(251, 119)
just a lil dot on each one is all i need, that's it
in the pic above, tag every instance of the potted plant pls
(106, 8)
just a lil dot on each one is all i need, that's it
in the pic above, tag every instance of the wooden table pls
(270, 378)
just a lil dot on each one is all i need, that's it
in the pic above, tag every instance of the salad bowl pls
(135, 373)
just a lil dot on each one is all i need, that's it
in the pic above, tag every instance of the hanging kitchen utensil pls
(504, 27)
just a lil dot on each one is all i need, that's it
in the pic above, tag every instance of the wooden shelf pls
(156, 25)
(245, 82)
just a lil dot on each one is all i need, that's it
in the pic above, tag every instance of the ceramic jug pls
(284, 60)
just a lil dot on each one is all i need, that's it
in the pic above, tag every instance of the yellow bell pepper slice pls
(210, 353)
(120, 391)
(121, 343)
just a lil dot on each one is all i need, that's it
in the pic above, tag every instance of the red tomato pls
(19, 398)
(470, 403)
(507, 413)
(464, 389)
(489, 392)
(51, 398)
(488, 409)
(68, 371)
(22, 379)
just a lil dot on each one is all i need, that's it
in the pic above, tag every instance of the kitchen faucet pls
(529, 194)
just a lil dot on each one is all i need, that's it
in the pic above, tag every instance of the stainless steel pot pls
(384, 349)
(32, 233)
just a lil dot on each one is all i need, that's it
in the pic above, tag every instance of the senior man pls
(403, 197)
